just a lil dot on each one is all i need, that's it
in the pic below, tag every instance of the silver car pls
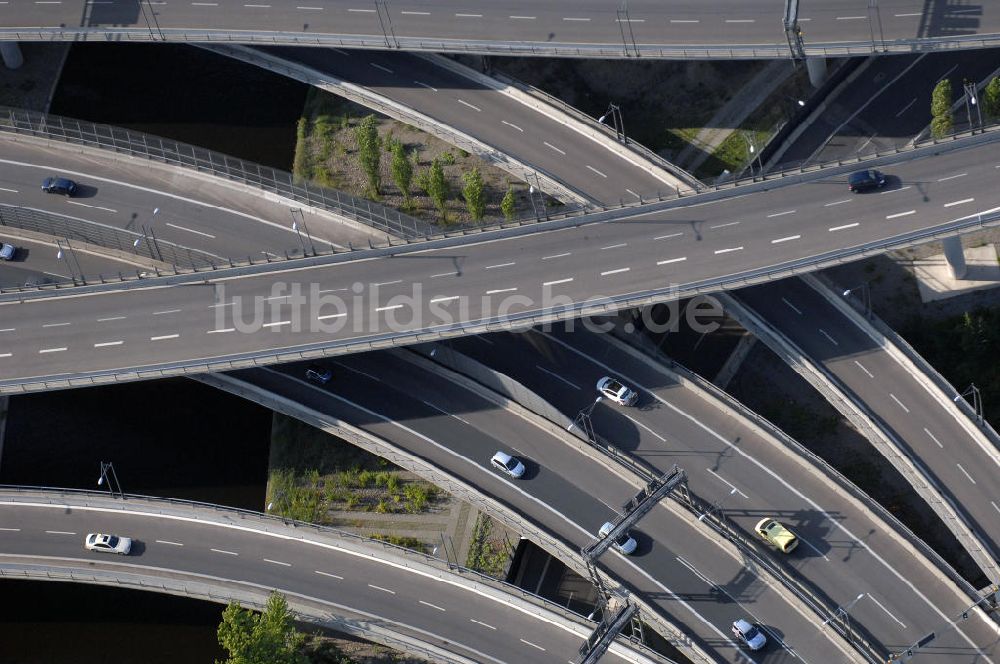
(616, 391)
(748, 634)
(7, 251)
(507, 464)
(625, 543)
(107, 543)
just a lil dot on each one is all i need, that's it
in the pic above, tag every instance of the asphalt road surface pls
(40, 263)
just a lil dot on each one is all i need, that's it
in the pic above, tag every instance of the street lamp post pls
(970, 102)
(977, 400)
(109, 476)
(583, 423)
(842, 613)
(866, 297)
(716, 507)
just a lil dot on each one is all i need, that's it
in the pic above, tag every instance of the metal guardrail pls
(153, 33)
(282, 183)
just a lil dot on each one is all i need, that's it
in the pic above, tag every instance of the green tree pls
(941, 120)
(508, 205)
(370, 154)
(437, 188)
(475, 194)
(261, 638)
(991, 99)
(402, 171)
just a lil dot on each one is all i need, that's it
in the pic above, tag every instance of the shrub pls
(475, 194)
(369, 154)
(508, 205)
(438, 189)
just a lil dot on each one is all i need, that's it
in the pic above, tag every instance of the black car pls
(59, 186)
(318, 374)
(865, 180)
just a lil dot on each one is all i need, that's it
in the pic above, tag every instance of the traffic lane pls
(295, 567)
(38, 262)
(840, 541)
(933, 435)
(491, 117)
(702, 597)
(204, 213)
(579, 263)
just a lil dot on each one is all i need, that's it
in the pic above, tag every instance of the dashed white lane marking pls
(523, 18)
(493, 267)
(105, 344)
(168, 542)
(223, 304)
(570, 18)
(332, 576)
(954, 203)
(841, 202)
(781, 214)
(482, 623)
(640, 424)
(388, 283)
(11, 530)
(52, 350)
(60, 532)
(389, 307)
(557, 377)
(13, 191)
(378, 66)
(965, 472)
(207, 4)
(103, 320)
(730, 249)
(740, 20)
(630, 20)
(995, 506)
(167, 311)
(907, 15)
(465, 103)
(844, 227)
(6, 354)
(671, 260)
(557, 281)
(344, 53)
(893, 191)
(429, 87)
(933, 437)
(952, 177)
(681, 20)
(545, 258)
(277, 562)
(596, 171)
(618, 271)
(730, 223)
(469, 15)
(896, 399)
(56, 324)
(163, 337)
(727, 483)
(509, 124)
(190, 230)
(221, 330)
(549, 145)
(318, 9)
(887, 611)
(786, 239)
(329, 316)
(633, 193)
(444, 274)
(667, 237)
(411, 13)
(441, 299)
(532, 644)
(905, 108)
(900, 214)
(501, 290)
(228, 553)
(433, 606)
(832, 340)
(362, 11)
(850, 18)
(279, 323)
(792, 306)
(615, 246)
(8, 329)
(385, 590)
(862, 367)
(259, 6)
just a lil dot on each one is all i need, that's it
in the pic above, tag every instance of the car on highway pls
(617, 392)
(865, 180)
(507, 464)
(318, 374)
(625, 543)
(7, 251)
(107, 543)
(776, 535)
(56, 185)
(748, 634)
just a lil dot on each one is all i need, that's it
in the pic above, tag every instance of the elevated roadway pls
(682, 29)
(514, 277)
(404, 599)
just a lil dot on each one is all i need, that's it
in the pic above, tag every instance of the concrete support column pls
(817, 71)
(955, 256)
(11, 54)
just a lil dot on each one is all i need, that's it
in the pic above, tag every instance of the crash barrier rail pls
(139, 144)
(605, 213)
(388, 40)
(267, 523)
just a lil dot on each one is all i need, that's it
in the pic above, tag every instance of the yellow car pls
(777, 535)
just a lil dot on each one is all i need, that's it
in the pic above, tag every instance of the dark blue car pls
(865, 180)
(59, 186)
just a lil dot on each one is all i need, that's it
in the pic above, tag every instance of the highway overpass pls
(688, 29)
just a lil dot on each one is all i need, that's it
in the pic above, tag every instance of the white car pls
(748, 634)
(625, 543)
(7, 251)
(617, 392)
(507, 464)
(107, 543)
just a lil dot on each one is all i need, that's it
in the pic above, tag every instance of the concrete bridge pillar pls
(817, 71)
(955, 256)
(11, 54)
